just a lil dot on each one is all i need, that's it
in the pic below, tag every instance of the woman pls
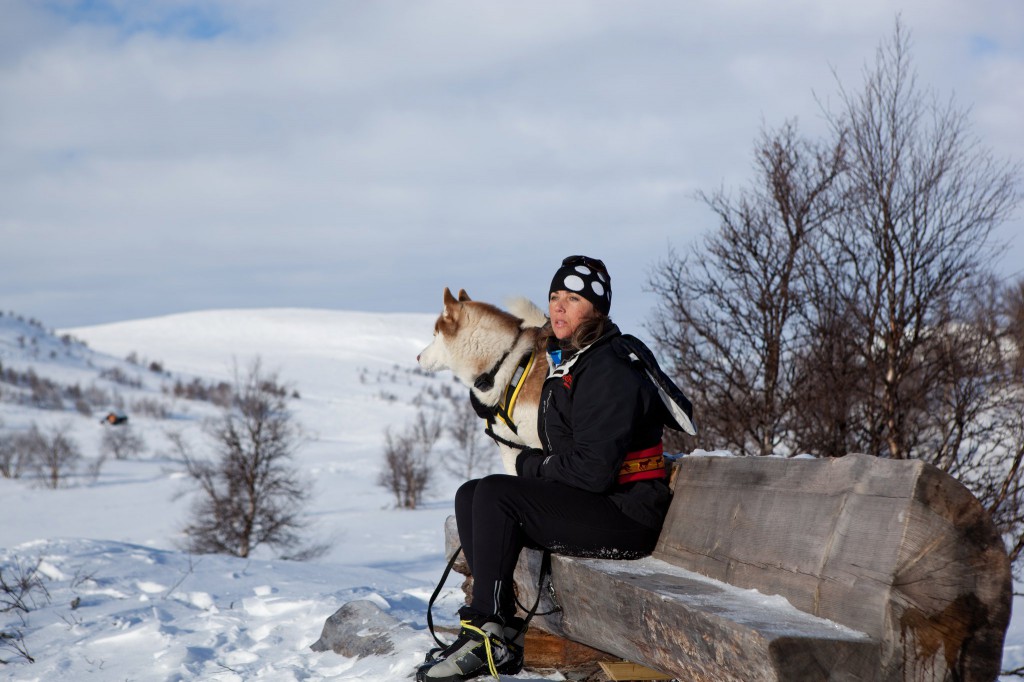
(597, 489)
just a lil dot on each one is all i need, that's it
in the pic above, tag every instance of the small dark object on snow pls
(115, 419)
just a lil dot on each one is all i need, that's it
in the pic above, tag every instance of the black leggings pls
(500, 514)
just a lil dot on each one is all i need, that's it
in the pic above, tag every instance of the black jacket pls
(595, 407)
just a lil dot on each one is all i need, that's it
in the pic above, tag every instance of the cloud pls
(365, 155)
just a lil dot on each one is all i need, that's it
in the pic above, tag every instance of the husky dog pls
(492, 352)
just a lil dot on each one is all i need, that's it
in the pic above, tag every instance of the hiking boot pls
(480, 649)
(515, 640)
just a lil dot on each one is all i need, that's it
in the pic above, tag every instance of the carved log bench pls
(855, 568)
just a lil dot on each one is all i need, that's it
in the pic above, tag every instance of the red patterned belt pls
(643, 465)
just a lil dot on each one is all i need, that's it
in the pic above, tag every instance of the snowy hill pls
(124, 603)
(109, 543)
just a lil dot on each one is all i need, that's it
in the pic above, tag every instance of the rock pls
(359, 628)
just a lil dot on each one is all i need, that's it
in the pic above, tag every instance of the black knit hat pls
(587, 277)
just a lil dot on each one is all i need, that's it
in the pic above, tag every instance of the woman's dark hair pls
(589, 331)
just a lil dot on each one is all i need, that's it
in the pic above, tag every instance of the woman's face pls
(567, 310)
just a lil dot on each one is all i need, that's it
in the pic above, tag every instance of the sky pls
(160, 157)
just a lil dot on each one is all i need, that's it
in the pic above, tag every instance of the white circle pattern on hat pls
(586, 281)
(574, 283)
(584, 270)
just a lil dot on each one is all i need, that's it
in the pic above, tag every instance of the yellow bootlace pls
(487, 646)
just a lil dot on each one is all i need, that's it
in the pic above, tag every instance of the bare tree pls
(1013, 307)
(1001, 487)
(250, 494)
(9, 457)
(21, 586)
(14, 456)
(180, 446)
(987, 452)
(21, 589)
(880, 329)
(472, 456)
(408, 466)
(922, 199)
(829, 376)
(54, 454)
(122, 442)
(730, 315)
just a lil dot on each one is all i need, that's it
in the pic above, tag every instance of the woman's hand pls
(528, 462)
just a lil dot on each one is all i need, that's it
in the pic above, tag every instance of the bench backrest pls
(896, 549)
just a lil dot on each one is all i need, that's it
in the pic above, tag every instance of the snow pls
(147, 610)
(125, 602)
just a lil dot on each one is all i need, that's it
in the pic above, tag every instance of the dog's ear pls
(463, 296)
(449, 300)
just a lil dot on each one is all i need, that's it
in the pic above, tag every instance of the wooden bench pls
(855, 568)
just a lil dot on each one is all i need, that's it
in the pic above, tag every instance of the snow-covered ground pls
(125, 603)
(144, 610)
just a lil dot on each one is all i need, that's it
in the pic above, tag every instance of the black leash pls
(437, 591)
(489, 430)
(545, 570)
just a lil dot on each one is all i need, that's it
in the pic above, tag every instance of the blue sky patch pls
(983, 46)
(196, 21)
